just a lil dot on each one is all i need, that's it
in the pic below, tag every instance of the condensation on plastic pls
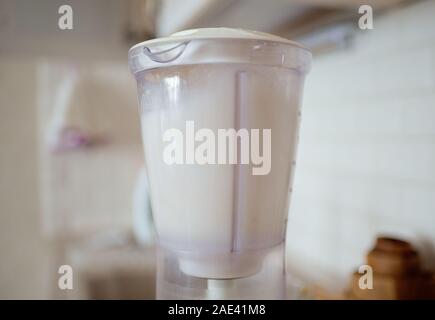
(220, 219)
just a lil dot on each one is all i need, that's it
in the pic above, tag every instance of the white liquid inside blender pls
(220, 219)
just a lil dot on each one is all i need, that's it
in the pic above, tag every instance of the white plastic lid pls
(215, 33)
(219, 45)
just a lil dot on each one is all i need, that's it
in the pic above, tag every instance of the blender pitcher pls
(220, 111)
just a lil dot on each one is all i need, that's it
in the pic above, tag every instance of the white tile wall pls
(366, 163)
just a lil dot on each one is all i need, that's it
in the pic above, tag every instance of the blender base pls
(266, 279)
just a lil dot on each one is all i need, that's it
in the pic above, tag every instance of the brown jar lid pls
(393, 257)
(393, 245)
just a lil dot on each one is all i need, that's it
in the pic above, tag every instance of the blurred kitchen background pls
(71, 153)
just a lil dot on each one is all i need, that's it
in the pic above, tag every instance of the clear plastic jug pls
(220, 111)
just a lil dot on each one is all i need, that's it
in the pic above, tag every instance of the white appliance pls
(220, 112)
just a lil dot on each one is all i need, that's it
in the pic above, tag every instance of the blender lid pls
(216, 33)
(219, 45)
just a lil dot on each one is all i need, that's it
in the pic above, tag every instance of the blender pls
(220, 113)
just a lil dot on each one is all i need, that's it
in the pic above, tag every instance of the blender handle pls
(156, 56)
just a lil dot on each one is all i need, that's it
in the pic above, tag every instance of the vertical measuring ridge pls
(238, 181)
